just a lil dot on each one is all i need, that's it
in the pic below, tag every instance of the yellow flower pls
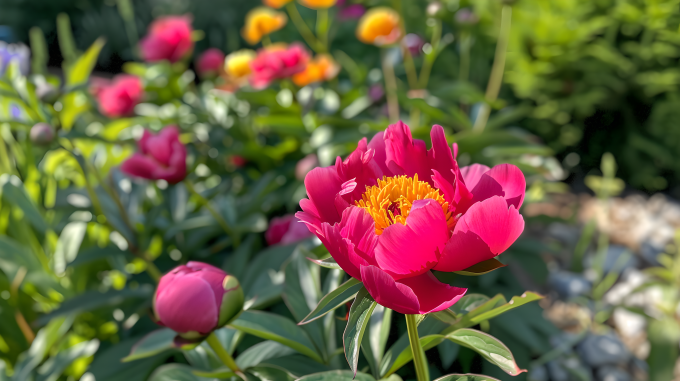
(379, 26)
(321, 68)
(237, 64)
(260, 22)
(318, 4)
(276, 3)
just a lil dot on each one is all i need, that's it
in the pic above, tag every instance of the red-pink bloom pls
(119, 97)
(394, 210)
(286, 229)
(277, 62)
(160, 157)
(210, 63)
(169, 38)
(349, 11)
(197, 298)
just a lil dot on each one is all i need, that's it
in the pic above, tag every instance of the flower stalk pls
(496, 78)
(303, 29)
(216, 215)
(419, 361)
(390, 88)
(223, 355)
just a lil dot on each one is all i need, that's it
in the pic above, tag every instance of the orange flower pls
(260, 22)
(276, 3)
(321, 68)
(379, 26)
(237, 64)
(318, 4)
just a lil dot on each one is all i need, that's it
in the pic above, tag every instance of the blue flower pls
(18, 52)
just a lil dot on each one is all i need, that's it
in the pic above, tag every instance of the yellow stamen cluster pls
(390, 201)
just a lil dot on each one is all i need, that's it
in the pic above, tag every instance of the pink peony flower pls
(169, 38)
(210, 63)
(120, 96)
(394, 210)
(160, 157)
(197, 298)
(286, 229)
(277, 62)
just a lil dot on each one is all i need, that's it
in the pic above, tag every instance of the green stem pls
(464, 70)
(222, 353)
(322, 25)
(496, 78)
(303, 29)
(216, 215)
(409, 65)
(390, 89)
(128, 14)
(419, 361)
(432, 56)
(266, 40)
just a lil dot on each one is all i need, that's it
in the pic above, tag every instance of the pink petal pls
(472, 174)
(377, 144)
(278, 226)
(412, 249)
(187, 305)
(296, 232)
(418, 295)
(486, 230)
(505, 180)
(447, 189)
(139, 165)
(322, 185)
(160, 146)
(361, 169)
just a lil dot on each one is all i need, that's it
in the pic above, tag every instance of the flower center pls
(391, 200)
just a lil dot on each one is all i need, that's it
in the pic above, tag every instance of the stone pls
(556, 371)
(612, 258)
(538, 373)
(600, 350)
(568, 285)
(612, 373)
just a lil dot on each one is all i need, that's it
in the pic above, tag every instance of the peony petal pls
(377, 144)
(322, 185)
(417, 295)
(447, 189)
(161, 145)
(505, 180)
(359, 171)
(278, 227)
(486, 230)
(139, 165)
(472, 174)
(187, 305)
(387, 292)
(412, 249)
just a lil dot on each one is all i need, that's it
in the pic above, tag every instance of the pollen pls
(391, 200)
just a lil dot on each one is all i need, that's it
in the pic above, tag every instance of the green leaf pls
(79, 72)
(466, 377)
(337, 375)
(108, 367)
(44, 340)
(175, 372)
(223, 373)
(334, 299)
(328, 263)
(359, 315)
(488, 347)
(151, 344)
(274, 327)
(515, 302)
(271, 373)
(466, 304)
(68, 245)
(375, 337)
(482, 268)
(55, 366)
(261, 352)
(663, 336)
(297, 364)
(13, 193)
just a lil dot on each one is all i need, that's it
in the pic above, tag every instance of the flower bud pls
(210, 63)
(286, 229)
(414, 43)
(42, 134)
(196, 299)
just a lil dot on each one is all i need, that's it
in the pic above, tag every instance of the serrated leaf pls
(482, 268)
(466, 377)
(328, 263)
(337, 375)
(359, 315)
(274, 327)
(151, 344)
(334, 299)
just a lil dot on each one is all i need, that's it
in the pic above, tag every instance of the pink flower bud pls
(277, 62)
(42, 134)
(160, 157)
(197, 298)
(120, 96)
(286, 229)
(210, 63)
(169, 38)
(414, 43)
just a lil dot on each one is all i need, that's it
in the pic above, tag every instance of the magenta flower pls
(169, 38)
(197, 298)
(277, 62)
(286, 229)
(349, 11)
(160, 157)
(210, 63)
(120, 96)
(394, 210)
